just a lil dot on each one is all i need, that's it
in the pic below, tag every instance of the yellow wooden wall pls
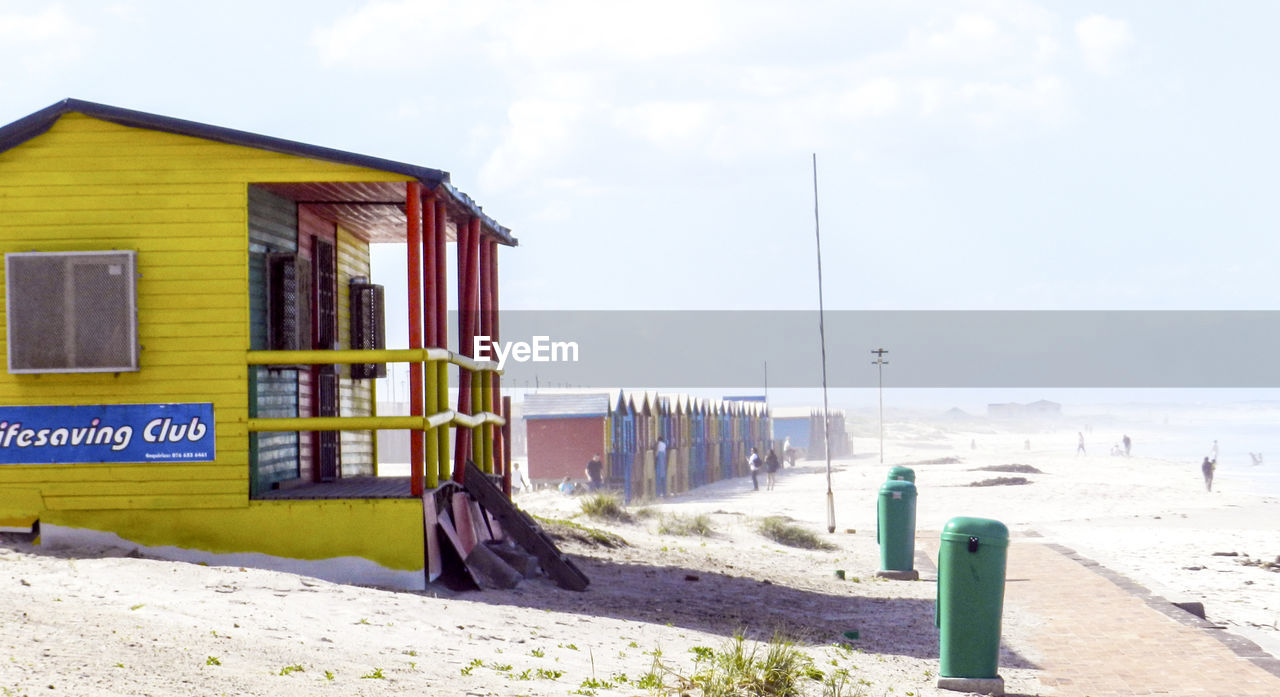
(181, 203)
(355, 397)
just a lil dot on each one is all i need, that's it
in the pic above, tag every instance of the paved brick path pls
(1098, 634)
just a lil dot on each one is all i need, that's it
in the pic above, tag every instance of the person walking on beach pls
(1080, 445)
(1127, 444)
(595, 472)
(1207, 468)
(519, 481)
(660, 467)
(771, 469)
(753, 463)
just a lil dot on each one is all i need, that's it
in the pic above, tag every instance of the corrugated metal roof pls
(33, 125)
(547, 406)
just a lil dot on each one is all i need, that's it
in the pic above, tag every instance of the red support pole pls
(441, 274)
(442, 277)
(413, 211)
(429, 285)
(466, 306)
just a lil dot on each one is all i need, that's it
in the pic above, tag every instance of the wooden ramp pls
(524, 530)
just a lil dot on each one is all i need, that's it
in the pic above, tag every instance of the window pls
(368, 327)
(288, 303)
(71, 312)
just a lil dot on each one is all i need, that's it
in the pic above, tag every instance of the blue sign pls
(40, 435)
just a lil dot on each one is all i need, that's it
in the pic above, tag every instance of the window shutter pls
(288, 303)
(368, 327)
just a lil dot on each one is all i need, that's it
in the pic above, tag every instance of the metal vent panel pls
(71, 312)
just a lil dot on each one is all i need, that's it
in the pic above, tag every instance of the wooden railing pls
(437, 396)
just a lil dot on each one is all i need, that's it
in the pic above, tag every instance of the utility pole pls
(880, 363)
(822, 340)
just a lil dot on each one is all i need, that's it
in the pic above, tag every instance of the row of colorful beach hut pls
(705, 441)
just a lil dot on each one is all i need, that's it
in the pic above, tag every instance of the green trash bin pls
(903, 473)
(971, 567)
(896, 530)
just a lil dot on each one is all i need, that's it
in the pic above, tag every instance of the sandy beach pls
(108, 622)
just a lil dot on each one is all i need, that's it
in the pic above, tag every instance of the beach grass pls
(739, 667)
(781, 530)
(690, 526)
(561, 530)
(605, 507)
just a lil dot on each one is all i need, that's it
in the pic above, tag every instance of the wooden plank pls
(192, 303)
(465, 527)
(228, 272)
(124, 192)
(453, 565)
(112, 489)
(171, 323)
(480, 522)
(230, 287)
(103, 503)
(134, 217)
(524, 530)
(13, 474)
(206, 358)
(44, 200)
(431, 522)
(159, 236)
(47, 173)
(143, 392)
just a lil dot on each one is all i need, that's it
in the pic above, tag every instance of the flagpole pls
(822, 337)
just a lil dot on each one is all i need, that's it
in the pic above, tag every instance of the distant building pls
(1044, 407)
(793, 423)
(1006, 410)
(563, 431)
(1013, 410)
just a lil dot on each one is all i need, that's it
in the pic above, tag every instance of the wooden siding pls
(182, 204)
(355, 397)
(273, 227)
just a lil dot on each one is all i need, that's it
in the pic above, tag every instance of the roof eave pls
(37, 123)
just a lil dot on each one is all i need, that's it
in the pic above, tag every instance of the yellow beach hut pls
(191, 338)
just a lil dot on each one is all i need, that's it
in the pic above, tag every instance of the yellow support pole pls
(442, 402)
(432, 465)
(491, 406)
(343, 356)
(337, 423)
(479, 447)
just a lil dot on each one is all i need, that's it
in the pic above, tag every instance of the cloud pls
(537, 135)
(725, 81)
(996, 105)
(666, 124)
(420, 31)
(41, 40)
(1103, 42)
(968, 38)
(406, 33)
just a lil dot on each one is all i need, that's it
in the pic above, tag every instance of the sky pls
(971, 154)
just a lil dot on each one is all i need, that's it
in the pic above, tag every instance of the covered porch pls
(424, 214)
